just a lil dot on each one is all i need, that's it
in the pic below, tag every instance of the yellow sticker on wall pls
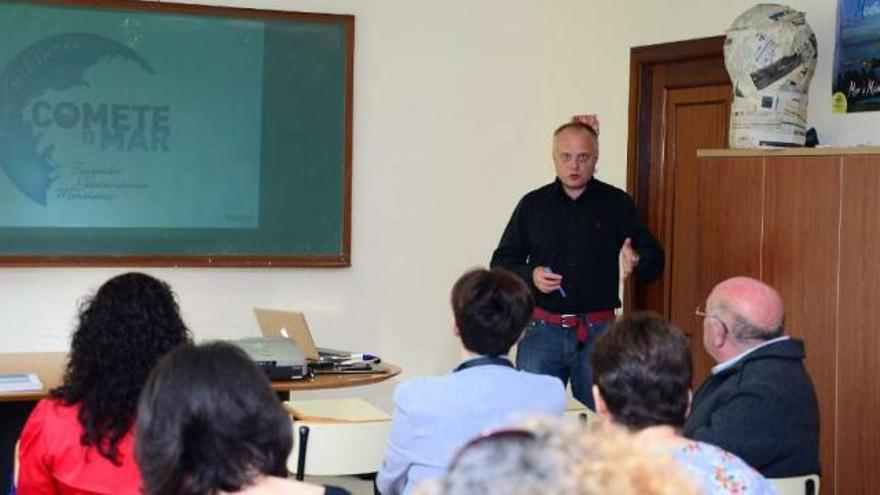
(838, 103)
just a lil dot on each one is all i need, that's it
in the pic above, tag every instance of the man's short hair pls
(491, 307)
(743, 330)
(575, 125)
(643, 369)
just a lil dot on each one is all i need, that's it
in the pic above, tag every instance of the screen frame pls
(342, 258)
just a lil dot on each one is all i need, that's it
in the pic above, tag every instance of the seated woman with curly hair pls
(80, 440)
(209, 423)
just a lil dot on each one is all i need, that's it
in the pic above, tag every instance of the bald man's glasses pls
(701, 312)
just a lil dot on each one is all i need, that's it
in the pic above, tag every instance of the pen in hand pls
(561, 290)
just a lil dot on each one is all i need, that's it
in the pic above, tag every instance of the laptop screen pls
(287, 324)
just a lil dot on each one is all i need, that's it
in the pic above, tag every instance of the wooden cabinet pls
(808, 223)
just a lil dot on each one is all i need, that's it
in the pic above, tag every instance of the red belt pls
(581, 322)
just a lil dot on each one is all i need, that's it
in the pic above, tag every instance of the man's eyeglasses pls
(701, 312)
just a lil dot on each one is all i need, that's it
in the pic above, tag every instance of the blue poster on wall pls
(856, 78)
(98, 119)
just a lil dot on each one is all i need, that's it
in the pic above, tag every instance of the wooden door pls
(694, 118)
(655, 71)
(679, 102)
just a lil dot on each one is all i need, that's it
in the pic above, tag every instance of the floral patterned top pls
(719, 472)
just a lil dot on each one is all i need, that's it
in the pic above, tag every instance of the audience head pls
(505, 461)
(123, 331)
(208, 422)
(642, 372)
(741, 313)
(552, 456)
(491, 308)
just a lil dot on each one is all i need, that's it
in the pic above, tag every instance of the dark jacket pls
(764, 410)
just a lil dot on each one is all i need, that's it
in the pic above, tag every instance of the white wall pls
(447, 136)
(454, 101)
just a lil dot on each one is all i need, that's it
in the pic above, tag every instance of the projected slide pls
(101, 125)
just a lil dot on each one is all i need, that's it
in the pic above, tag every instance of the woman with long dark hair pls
(80, 439)
(209, 423)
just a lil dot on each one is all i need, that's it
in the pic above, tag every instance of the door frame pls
(643, 176)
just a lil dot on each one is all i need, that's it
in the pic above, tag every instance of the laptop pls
(275, 323)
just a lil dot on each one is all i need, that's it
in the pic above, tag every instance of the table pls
(338, 380)
(49, 367)
(15, 407)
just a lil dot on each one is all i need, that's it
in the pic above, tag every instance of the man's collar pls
(484, 360)
(561, 189)
(480, 356)
(730, 363)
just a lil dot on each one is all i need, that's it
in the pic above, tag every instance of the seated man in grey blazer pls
(434, 417)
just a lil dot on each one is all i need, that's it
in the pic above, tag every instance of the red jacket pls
(53, 461)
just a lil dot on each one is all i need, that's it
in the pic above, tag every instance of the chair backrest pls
(797, 485)
(14, 481)
(345, 436)
(577, 410)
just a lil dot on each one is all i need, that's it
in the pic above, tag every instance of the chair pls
(798, 485)
(337, 437)
(14, 481)
(574, 409)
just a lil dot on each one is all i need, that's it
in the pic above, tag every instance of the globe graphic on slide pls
(55, 63)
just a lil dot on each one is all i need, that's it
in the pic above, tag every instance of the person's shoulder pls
(541, 193)
(55, 411)
(428, 400)
(778, 362)
(696, 448)
(51, 422)
(785, 348)
(40, 415)
(272, 485)
(540, 379)
(549, 387)
(416, 389)
(44, 407)
(730, 466)
(609, 191)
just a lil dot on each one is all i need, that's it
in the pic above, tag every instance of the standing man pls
(570, 241)
(759, 402)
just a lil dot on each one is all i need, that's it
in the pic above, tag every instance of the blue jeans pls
(550, 349)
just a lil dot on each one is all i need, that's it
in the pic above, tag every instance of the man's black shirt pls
(580, 240)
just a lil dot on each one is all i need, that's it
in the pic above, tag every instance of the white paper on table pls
(21, 382)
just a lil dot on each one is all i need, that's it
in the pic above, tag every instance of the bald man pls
(759, 402)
